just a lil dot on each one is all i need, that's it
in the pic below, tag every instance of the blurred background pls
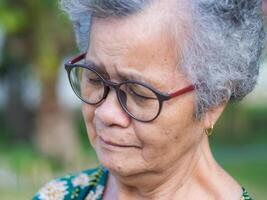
(42, 134)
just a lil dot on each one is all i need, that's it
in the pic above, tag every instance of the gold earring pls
(209, 131)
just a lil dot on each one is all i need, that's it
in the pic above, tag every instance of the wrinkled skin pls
(170, 156)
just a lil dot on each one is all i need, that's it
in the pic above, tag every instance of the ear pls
(212, 116)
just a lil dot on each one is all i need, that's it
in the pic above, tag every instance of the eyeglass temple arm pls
(77, 59)
(182, 91)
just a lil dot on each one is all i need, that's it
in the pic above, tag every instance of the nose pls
(110, 112)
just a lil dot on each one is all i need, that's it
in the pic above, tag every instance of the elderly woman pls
(155, 77)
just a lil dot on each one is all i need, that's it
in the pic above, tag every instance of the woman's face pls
(124, 145)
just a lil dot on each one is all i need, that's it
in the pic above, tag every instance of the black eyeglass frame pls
(120, 93)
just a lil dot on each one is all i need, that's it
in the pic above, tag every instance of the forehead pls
(142, 42)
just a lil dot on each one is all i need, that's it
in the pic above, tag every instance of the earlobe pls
(212, 116)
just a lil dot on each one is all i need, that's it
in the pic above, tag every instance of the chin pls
(121, 163)
(120, 168)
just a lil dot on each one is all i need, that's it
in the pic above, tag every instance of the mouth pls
(110, 143)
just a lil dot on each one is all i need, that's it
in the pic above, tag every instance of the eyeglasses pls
(140, 101)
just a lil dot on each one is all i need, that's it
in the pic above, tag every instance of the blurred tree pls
(12, 22)
(38, 35)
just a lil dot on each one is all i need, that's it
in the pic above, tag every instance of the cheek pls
(88, 115)
(88, 112)
(171, 136)
(159, 144)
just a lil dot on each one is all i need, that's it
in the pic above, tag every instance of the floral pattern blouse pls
(87, 185)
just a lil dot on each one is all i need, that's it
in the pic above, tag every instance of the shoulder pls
(75, 186)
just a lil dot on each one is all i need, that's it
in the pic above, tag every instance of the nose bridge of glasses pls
(112, 84)
(120, 93)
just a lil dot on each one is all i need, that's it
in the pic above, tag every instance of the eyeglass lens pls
(136, 99)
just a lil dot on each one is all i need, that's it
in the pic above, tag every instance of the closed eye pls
(144, 96)
(95, 81)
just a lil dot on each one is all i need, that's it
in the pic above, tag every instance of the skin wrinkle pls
(217, 25)
(171, 115)
(210, 168)
(174, 156)
(150, 194)
(185, 180)
(150, 143)
(138, 67)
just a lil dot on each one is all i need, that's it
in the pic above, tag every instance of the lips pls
(108, 142)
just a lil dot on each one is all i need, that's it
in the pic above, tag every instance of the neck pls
(197, 172)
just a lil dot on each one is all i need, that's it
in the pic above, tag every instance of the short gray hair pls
(221, 56)
(82, 11)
